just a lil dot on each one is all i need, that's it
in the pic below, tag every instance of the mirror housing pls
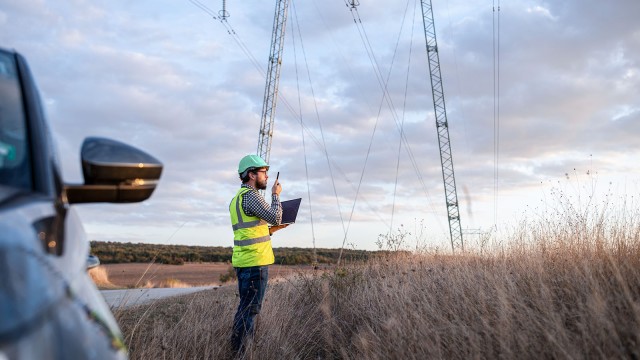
(92, 262)
(114, 172)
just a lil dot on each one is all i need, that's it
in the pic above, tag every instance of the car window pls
(15, 168)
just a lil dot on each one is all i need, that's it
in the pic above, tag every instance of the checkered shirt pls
(254, 204)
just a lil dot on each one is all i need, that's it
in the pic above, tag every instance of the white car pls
(49, 307)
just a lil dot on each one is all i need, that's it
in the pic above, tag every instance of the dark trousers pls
(252, 283)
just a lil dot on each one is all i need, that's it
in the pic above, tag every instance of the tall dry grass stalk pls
(565, 287)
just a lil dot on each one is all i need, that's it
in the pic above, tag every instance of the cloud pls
(170, 79)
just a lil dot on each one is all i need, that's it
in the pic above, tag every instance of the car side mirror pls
(114, 172)
(92, 262)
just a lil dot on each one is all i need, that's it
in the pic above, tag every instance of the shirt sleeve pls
(254, 204)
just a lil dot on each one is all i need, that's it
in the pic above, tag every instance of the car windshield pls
(14, 149)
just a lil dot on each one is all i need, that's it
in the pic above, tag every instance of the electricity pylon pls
(442, 126)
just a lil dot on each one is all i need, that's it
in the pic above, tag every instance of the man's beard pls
(261, 185)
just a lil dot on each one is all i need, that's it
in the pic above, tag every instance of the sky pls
(542, 97)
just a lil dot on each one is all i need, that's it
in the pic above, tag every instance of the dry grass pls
(100, 277)
(565, 287)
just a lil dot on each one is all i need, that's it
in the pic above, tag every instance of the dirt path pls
(120, 299)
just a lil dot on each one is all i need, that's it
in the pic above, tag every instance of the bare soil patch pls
(190, 274)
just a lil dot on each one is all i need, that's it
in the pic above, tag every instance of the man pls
(252, 252)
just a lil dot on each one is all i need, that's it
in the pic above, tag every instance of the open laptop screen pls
(290, 210)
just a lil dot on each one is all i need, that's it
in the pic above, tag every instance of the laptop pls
(290, 210)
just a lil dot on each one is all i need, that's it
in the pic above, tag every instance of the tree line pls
(116, 252)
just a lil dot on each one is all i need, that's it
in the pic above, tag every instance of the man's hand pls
(276, 228)
(276, 188)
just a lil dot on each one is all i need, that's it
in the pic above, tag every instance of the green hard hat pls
(251, 161)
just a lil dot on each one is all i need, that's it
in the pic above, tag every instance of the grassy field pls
(566, 286)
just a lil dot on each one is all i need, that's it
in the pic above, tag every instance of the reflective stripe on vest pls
(252, 243)
(241, 223)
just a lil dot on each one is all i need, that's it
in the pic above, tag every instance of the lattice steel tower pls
(442, 125)
(273, 78)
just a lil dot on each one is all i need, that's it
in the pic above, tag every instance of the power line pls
(496, 109)
(282, 98)
(387, 97)
(383, 82)
(304, 147)
(404, 108)
(317, 113)
(322, 144)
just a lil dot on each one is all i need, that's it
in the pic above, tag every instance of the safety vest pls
(251, 239)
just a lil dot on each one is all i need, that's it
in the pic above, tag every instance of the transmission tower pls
(273, 78)
(442, 125)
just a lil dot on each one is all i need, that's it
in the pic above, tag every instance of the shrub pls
(230, 275)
